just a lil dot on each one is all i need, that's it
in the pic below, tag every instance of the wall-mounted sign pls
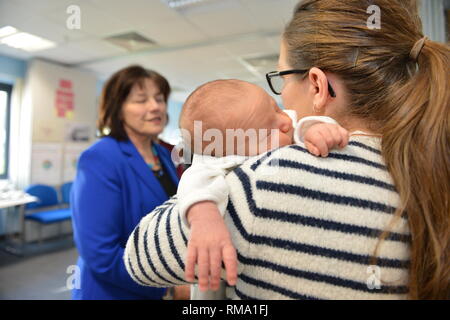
(64, 102)
(46, 163)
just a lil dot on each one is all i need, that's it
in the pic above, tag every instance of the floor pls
(41, 274)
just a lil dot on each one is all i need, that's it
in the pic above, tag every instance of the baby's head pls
(226, 117)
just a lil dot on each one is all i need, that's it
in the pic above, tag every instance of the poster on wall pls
(46, 160)
(64, 100)
(71, 154)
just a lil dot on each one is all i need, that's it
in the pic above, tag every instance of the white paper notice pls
(71, 154)
(46, 163)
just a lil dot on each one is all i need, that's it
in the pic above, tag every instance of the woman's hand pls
(320, 138)
(209, 244)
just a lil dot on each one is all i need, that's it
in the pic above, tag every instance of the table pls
(18, 203)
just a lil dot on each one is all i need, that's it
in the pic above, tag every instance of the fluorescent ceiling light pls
(182, 3)
(27, 42)
(7, 31)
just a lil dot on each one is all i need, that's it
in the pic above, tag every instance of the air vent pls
(131, 41)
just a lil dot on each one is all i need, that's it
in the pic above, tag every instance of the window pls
(5, 108)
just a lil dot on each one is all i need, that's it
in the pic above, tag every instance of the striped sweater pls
(304, 228)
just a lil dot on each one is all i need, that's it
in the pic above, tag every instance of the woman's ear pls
(319, 84)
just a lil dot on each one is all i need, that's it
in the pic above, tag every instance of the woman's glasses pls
(276, 82)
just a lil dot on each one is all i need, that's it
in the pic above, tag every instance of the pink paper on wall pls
(64, 101)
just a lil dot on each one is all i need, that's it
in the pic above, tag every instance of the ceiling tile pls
(78, 52)
(245, 47)
(271, 11)
(221, 19)
(49, 30)
(138, 13)
(172, 32)
(196, 44)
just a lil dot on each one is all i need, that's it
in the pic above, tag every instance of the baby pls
(244, 121)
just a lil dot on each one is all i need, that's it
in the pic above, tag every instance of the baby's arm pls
(320, 134)
(203, 196)
(209, 244)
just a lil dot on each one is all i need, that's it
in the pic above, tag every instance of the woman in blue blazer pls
(119, 180)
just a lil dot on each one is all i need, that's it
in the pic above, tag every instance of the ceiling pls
(212, 40)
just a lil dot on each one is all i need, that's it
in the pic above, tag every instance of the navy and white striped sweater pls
(304, 228)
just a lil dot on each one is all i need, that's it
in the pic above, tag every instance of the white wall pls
(37, 123)
(44, 80)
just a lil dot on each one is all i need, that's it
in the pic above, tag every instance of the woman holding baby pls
(370, 221)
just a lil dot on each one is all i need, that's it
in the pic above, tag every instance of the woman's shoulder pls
(104, 149)
(360, 163)
(355, 176)
(359, 152)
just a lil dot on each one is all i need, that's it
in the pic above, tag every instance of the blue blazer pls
(113, 190)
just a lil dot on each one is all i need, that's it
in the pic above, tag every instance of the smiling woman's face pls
(144, 110)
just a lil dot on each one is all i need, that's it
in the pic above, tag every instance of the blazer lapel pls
(167, 163)
(142, 170)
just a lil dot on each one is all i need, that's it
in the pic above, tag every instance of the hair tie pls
(417, 48)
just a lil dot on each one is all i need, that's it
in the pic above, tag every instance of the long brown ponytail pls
(404, 99)
(416, 148)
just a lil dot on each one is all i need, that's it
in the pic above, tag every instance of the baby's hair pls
(209, 103)
(211, 99)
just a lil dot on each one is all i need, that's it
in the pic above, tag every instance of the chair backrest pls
(65, 192)
(47, 196)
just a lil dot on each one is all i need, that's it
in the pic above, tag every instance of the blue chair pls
(65, 193)
(46, 194)
(48, 197)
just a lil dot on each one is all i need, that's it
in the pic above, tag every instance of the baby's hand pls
(209, 244)
(320, 138)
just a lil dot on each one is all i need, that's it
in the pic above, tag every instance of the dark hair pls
(116, 91)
